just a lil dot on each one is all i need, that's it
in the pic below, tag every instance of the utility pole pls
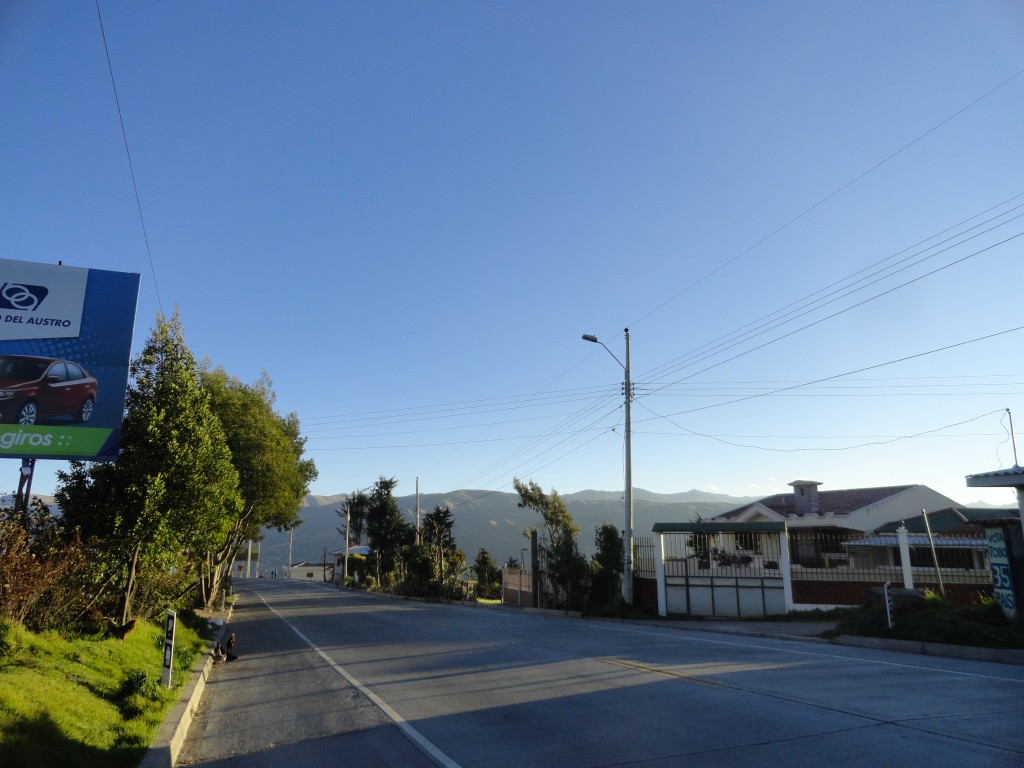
(627, 539)
(417, 510)
(291, 534)
(344, 570)
(627, 533)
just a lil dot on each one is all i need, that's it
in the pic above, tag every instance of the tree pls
(565, 566)
(267, 452)
(170, 495)
(488, 575)
(606, 566)
(353, 511)
(353, 515)
(439, 539)
(386, 528)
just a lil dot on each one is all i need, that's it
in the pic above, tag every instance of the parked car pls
(35, 388)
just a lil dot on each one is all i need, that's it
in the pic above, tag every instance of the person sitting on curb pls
(219, 657)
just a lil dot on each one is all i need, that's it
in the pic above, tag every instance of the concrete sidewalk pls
(807, 631)
(814, 631)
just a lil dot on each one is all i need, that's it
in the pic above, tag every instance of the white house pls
(311, 571)
(857, 509)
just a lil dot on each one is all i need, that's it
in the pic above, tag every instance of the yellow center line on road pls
(693, 673)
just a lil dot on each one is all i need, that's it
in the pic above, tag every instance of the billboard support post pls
(25, 474)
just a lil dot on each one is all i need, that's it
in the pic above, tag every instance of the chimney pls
(805, 497)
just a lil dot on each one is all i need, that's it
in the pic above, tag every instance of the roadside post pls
(887, 591)
(172, 618)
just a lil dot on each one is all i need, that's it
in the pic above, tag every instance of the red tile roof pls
(830, 503)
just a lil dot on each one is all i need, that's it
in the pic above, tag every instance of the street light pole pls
(344, 570)
(627, 534)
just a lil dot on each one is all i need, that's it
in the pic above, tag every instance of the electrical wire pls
(850, 373)
(828, 197)
(889, 441)
(828, 295)
(538, 442)
(128, 154)
(847, 309)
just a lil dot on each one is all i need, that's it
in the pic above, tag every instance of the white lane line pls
(425, 745)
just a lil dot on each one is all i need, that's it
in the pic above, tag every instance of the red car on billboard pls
(37, 388)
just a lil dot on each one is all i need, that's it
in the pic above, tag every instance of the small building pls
(812, 549)
(311, 571)
(339, 561)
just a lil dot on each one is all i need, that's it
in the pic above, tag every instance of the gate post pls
(787, 576)
(908, 572)
(659, 574)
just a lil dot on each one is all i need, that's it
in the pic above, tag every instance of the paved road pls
(332, 676)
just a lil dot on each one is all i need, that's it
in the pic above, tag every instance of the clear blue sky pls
(408, 213)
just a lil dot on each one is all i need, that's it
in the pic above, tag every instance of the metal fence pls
(517, 586)
(822, 555)
(733, 554)
(826, 567)
(644, 548)
(853, 556)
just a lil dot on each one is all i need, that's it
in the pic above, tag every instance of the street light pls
(344, 569)
(627, 536)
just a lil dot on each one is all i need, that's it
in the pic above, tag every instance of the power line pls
(818, 204)
(539, 440)
(849, 308)
(872, 443)
(828, 197)
(127, 151)
(850, 373)
(827, 295)
(436, 413)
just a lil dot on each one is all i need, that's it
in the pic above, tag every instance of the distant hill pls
(7, 500)
(662, 498)
(492, 520)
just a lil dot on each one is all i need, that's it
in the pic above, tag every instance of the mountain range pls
(492, 520)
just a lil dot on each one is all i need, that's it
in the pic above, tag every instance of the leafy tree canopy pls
(266, 449)
(173, 490)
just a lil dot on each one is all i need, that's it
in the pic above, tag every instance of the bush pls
(41, 573)
(936, 619)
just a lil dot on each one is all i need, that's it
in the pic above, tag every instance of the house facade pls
(311, 571)
(855, 509)
(814, 549)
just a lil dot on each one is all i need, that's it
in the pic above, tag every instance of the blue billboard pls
(65, 343)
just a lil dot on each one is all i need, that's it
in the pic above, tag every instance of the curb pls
(922, 648)
(918, 647)
(166, 745)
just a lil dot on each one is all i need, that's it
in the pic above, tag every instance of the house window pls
(750, 542)
(309, 575)
(953, 557)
